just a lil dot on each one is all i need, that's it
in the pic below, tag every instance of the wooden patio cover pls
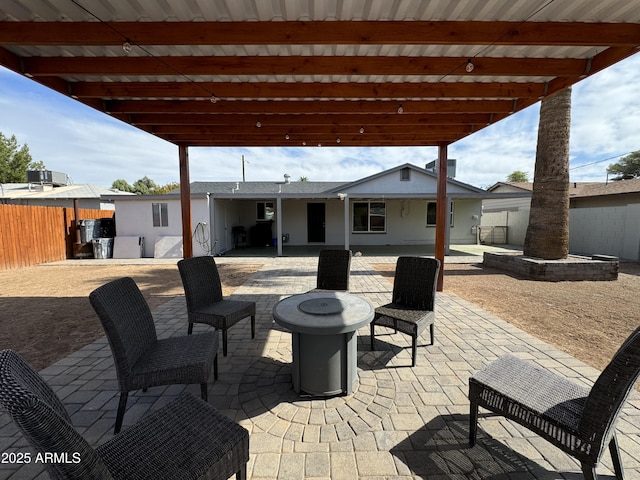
(314, 72)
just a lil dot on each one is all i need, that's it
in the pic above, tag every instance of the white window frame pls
(265, 206)
(434, 221)
(369, 215)
(160, 214)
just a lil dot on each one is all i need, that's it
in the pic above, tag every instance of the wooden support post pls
(441, 212)
(185, 201)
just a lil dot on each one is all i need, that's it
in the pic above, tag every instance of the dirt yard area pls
(589, 320)
(45, 312)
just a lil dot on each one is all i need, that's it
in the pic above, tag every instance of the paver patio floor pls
(401, 422)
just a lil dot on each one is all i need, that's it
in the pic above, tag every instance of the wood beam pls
(301, 65)
(319, 119)
(351, 90)
(441, 211)
(185, 200)
(308, 107)
(320, 33)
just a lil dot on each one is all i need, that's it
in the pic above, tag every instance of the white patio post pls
(279, 225)
(345, 200)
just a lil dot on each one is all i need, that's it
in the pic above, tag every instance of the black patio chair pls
(141, 359)
(186, 439)
(413, 300)
(578, 420)
(334, 267)
(205, 303)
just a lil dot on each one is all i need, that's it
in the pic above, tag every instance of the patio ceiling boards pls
(293, 73)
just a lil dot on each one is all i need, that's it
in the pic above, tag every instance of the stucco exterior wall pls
(134, 218)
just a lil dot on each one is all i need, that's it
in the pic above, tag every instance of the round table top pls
(323, 312)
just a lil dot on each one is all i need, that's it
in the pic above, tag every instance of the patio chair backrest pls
(414, 283)
(334, 267)
(127, 321)
(45, 423)
(610, 391)
(201, 281)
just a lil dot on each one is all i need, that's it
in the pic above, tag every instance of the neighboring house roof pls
(576, 189)
(26, 191)
(619, 187)
(504, 187)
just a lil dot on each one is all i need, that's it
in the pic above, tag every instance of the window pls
(405, 174)
(431, 214)
(264, 211)
(160, 213)
(369, 217)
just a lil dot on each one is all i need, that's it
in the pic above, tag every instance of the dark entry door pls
(315, 222)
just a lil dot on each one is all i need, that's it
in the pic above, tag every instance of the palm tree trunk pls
(548, 231)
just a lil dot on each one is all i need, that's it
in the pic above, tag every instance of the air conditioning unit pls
(47, 176)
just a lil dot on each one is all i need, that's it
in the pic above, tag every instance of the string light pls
(258, 124)
(400, 109)
(361, 129)
(470, 66)
(286, 136)
(126, 46)
(338, 140)
(214, 98)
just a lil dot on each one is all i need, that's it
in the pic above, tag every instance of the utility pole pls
(243, 168)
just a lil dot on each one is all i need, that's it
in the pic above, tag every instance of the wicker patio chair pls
(205, 303)
(141, 359)
(334, 267)
(412, 305)
(578, 420)
(186, 439)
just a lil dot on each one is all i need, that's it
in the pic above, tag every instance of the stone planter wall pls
(571, 269)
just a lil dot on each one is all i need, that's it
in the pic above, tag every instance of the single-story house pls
(393, 207)
(604, 218)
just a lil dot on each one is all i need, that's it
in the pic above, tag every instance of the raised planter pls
(573, 268)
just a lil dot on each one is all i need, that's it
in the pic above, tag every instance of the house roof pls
(309, 189)
(294, 72)
(30, 191)
(578, 189)
(620, 187)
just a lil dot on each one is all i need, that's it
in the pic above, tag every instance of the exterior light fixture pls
(126, 46)
(470, 66)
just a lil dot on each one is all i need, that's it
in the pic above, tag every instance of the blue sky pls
(93, 148)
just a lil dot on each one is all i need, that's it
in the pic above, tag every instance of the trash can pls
(102, 247)
(89, 229)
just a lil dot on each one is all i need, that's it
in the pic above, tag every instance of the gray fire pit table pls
(324, 337)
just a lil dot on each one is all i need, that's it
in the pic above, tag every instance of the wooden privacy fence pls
(31, 234)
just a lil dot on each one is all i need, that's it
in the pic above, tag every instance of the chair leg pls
(190, 329)
(253, 326)
(473, 423)
(414, 349)
(615, 456)
(589, 472)
(203, 391)
(242, 473)
(224, 342)
(431, 332)
(122, 405)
